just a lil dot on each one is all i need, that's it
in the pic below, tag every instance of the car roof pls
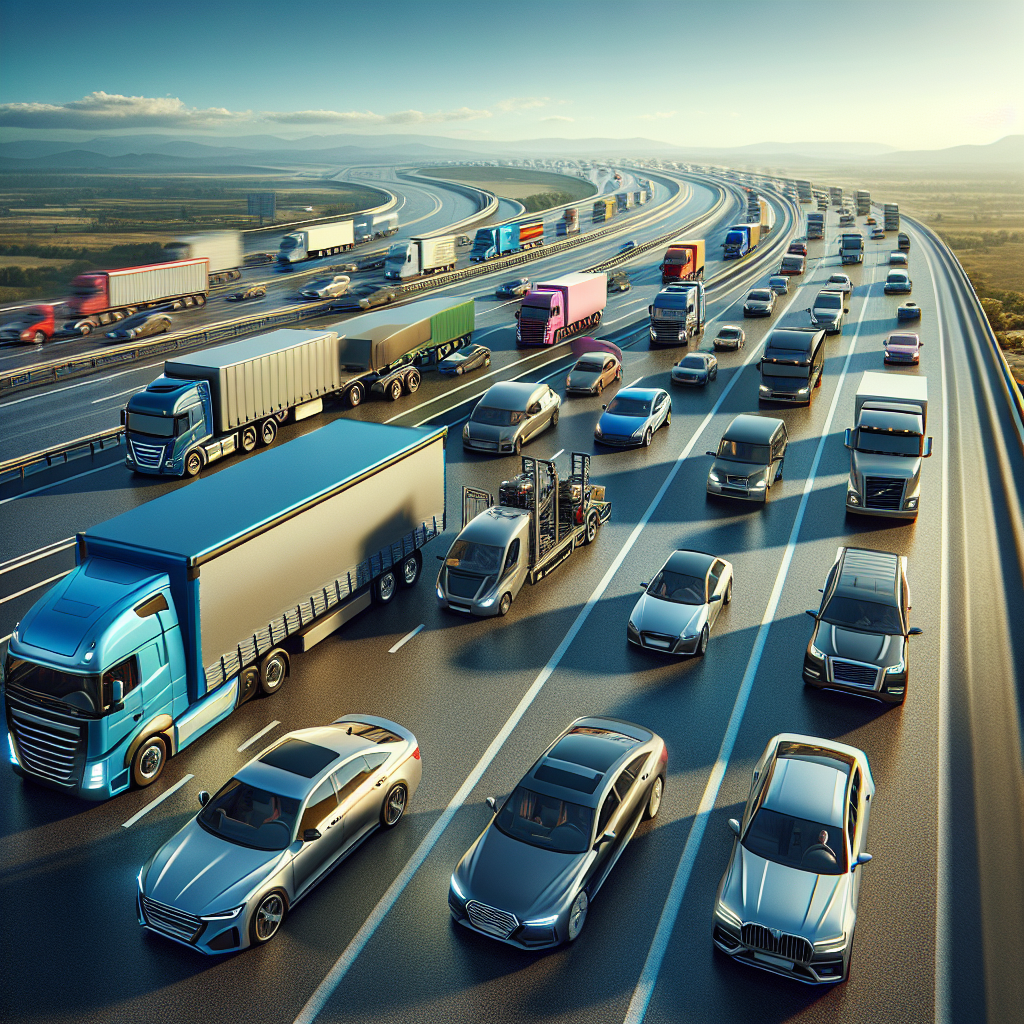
(904, 338)
(495, 525)
(693, 563)
(511, 394)
(729, 327)
(807, 789)
(648, 393)
(752, 428)
(868, 575)
(595, 355)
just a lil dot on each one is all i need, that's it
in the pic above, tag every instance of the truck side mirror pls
(517, 314)
(124, 417)
(927, 448)
(204, 798)
(848, 438)
(310, 835)
(650, 310)
(117, 691)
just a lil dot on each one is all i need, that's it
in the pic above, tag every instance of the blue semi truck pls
(505, 239)
(741, 239)
(180, 610)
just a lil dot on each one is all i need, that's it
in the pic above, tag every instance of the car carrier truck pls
(316, 240)
(553, 310)
(538, 523)
(234, 397)
(432, 254)
(180, 610)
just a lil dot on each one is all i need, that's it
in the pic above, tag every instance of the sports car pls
(632, 417)
(472, 357)
(326, 287)
(680, 605)
(254, 291)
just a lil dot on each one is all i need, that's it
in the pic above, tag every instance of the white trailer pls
(222, 248)
(316, 240)
(138, 286)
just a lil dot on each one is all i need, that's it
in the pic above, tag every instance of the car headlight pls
(224, 915)
(910, 503)
(138, 878)
(14, 753)
(897, 669)
(455, 889)
(639, 432)
(757, 485)
(763, 389)
(440, 593)
(803, 391)
(852, 498)
(597, 431)
(833, 945)
(727, 916)
(815, 653)
(713, 477)
(465, 432)
(541, 922)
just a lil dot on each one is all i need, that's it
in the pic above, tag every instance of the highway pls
(943, 898)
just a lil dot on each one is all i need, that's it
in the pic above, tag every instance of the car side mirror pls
(310, 835)
(204, 798)
(650, 310)
(713, 455)
(492, 803)
(117, 691)
(604, 406)
(643, 586)
(848, 438)
(915, 631)
(862, 858)
(735, 826)
(606, 838)
(920, 344)
(714, 597)
(927, 448)
(810, 611)
(846, 310)
(441, 558)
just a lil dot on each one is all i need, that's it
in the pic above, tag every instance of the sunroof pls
(299, 758)
(593, 748)
(567, 780)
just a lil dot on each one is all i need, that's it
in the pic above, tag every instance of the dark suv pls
(749, 458)
(862, 630)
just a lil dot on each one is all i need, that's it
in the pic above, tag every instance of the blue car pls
(632, 417)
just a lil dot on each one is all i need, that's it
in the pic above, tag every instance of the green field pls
(536, 190)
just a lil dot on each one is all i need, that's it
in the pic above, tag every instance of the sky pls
(912, 74)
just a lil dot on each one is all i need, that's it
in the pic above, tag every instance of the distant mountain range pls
(157, 152)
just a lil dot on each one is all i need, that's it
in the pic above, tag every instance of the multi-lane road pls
(941, 902)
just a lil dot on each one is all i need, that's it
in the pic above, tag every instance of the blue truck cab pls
(494, 241)
(737, 242)
(165, 422)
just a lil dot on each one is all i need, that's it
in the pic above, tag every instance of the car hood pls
(870, 648)
(583, 378)
(199, 873)
(756, 304)
(751, 470)
(657, 616)
(514, 876)
(777, 896)
(491, 431)
(899, 467)
(623, 426)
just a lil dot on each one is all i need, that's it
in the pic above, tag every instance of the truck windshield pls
(469, 557)
(873, 442)
(733, 238)
(251, 817)
(497, 417)
(289, 242)
(744, 451)
(868, 616)
(534, 313)
(546, 821)
(155, 426)
(771, 369)
(79, 692)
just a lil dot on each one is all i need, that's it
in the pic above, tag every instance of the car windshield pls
(677, 587)
(155, 426)
(881, 442)
(693, 362)
(458, 357)
(497, 417)
(730, 333)
(546, 821)
(828, 301)
(744, 451)
(533, 313)
(620, 406)
(322, 283)
(589, 365)
(866, 616)
(469, 557)
(760, 295)
(289, 242)
(251, 817)
(796, 842)
(79, 692)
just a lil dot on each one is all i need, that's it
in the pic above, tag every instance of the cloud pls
(514, 103)
(658, 115)
(105, 110)
(558, 117)
(367, 117)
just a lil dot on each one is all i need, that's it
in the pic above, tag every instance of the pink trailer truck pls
(554, 310)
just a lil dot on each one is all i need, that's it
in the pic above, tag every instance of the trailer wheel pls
(273, 671)
(200, 300)
(409, 570)
(268, 431)
(194, 462)
(248, 438)
(354, 395)
(149, 761)
(505, 603)
(384, 587)
(593, 523)
(597, 318)
(394, 389)
(412, 382)
(282, 416)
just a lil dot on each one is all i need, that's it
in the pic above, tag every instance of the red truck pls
(684, 261)
(99, 294)
(33, 323)
(553, 310)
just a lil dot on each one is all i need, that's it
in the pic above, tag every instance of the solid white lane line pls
(56, 483)
(69, 387)
(159, 800)
(252, 739)
(35, 586)
(637, 381)
(405, 639)
(117, 394)
(326, 988)
(555, 456)
(659, 944)
(4, 639)
(34, 556)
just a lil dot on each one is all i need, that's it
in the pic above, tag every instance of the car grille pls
(854, 672)
(531, 332)
(47, 746)
(486, 445)
(736, 481)
(171, 921)
(884, 493)
(791, 947)
(488, 919)
(149, 455)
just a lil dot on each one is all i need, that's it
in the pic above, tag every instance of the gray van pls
(508, 415)
(749, 458)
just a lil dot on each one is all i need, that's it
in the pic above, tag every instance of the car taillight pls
(416, 753)
(664, 754)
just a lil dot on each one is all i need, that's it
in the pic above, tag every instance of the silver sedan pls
(679, 607)
(632, 417)
(787, 902)
(228, 878)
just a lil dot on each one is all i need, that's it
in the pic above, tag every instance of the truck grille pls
(488, 919)
(47, 746)
(148, 455)
(884, 493)
(531, 332)
(171, 921)
(666, 334)
(854, 672)
(791, 947)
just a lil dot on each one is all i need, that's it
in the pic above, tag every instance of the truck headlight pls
(833, 945)
(14, 753)
(803, 391)
(852, 498)
(96, 776)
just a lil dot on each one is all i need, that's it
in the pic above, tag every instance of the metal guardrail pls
(93, 442)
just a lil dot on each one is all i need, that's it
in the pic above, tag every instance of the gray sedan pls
(530, 877)
(787, 902)
(508, 415)
(326, 287)
(228, 878)
(680, 606)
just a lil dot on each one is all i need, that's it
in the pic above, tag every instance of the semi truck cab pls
(677, 314)
(165, 422)
(541, 313)
(293, 248)
(737, 244)
(402, 261)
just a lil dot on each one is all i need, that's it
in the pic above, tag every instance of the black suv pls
(861, 631)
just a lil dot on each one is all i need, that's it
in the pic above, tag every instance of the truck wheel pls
(593, 522)
(597, 318)
(200, 300)
(282, 416)
(409, 570)
(394, 389)
(412, 382)
(505, 603)
(268, 431)
(354, 395)
(248, 438)
(273, 671)
(194, 462)
(384, 587)
(149, 760)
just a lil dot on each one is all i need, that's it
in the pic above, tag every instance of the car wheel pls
(668, 418)
(728, 593)
(38, 338)
(554, 418)
(394, 390)
(194, 462)
(702, 643)
(578, 914)
(518, 445)
(248, 438)
(458, 371)
(273, 671)
(84, 330)
(593, 524)
(394, 805)
(268, 431)
(354, 395)
(149, 761)
(487, 361)
(266, 921)
(647, 438)
(505, 603)
(654, 798)
(409, 571)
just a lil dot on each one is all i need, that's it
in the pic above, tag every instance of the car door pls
(854, 831)
(608, 372)
(661, 406)
(361, 792)
(549, 403)
(320, 811)
(716, 586)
